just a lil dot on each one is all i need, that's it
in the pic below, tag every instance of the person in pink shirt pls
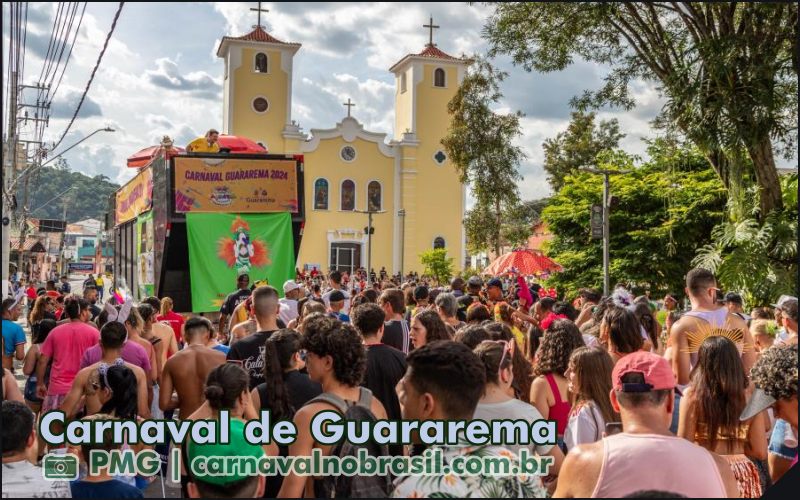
(65, 347)
(642, 392)
(173, 319)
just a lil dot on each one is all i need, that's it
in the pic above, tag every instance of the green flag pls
(223, 246)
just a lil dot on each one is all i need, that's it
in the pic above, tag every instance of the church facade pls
(407, 181)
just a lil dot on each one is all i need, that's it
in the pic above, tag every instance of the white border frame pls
(314, 195)
(354, 151)
(382, 208)
(253, 108)
(355, 195)
(269, 63)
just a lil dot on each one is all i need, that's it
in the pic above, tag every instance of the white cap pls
(782, 299)
(290, 285)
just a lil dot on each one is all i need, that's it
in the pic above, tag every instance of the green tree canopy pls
(728, 71)
(480, 143)
(437, 264)
(667, 208)
(578, 146)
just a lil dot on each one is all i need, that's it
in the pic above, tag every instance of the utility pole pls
(9, 170)
(606, 220)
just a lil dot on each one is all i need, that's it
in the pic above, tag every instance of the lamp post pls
(369, 231)
(402, 214)
(606, 219)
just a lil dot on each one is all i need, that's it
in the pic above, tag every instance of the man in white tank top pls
(645, 456)
(706, 318)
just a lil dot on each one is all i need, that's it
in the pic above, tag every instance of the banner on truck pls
(135, 197)
(235, 185)
(223, 246)
(145, 256)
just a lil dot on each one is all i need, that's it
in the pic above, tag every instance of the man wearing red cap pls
(643, 394)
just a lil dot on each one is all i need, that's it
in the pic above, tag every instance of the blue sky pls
(161, 75)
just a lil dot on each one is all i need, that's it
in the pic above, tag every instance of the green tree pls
(728, 71)
(480, 143)
(50, 187)
(666, 209)
(578, 146)
(437, 264)
(757, 260)
(515, 227)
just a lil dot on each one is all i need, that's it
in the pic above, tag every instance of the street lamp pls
(369, 241)
(606, 219)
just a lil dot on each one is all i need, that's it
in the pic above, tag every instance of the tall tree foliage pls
(515, 226)
(757, 260)
(727, 70)
(667, 208)
(480, 143)
(578, 146)
(51, 187)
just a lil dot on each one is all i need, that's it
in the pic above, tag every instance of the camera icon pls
(60, 467)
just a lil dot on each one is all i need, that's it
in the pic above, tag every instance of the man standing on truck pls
(231, 301)
(207, 144)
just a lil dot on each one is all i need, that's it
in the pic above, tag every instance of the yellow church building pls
(407, 180)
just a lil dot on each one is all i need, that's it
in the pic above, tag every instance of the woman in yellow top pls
(503, 313)
(207, 144)
(100, 284)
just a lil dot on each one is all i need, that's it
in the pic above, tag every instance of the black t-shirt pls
(385, 367)
(250, 351)
(233, 300)
(301, 388)
(395, 334)
(95, 310)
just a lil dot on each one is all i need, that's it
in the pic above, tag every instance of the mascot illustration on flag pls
(239, 251)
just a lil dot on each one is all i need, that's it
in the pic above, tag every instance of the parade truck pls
(188, 224)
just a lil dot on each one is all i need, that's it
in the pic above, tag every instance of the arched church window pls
(374, 196)
(438, 77)
(438, 242)
(348, 195)
(321, 194)
(262, 63)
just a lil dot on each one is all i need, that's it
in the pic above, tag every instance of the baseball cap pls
(475, 281)
(782, 300)
(759, 402)
(290, 285)
(656, 371)
(733, 297)
(237, 446)
(336, 296)
(494, 282)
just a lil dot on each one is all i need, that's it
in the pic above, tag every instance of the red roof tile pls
(434, 51)
(257, 35)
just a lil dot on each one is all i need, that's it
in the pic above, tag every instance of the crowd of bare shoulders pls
(707, 389)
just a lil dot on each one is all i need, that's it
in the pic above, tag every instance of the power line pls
(69, 55)
(91, 77)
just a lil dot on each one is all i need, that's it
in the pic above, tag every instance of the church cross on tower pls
(349, 105)
(259, 10)
(430, 27)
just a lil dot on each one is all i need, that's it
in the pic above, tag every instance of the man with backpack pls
(336, 359)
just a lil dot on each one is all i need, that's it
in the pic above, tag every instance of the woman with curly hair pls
(710, 412)
(549, 392)
(336, 358)
(426, 327)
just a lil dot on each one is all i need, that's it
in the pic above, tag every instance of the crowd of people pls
(710, 391)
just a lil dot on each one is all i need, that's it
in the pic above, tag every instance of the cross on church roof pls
(259, 10)
(349, 105)
(430, 27)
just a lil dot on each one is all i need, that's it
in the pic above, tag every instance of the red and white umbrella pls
(524, 262)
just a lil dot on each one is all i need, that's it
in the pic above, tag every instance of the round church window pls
(260, 104)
